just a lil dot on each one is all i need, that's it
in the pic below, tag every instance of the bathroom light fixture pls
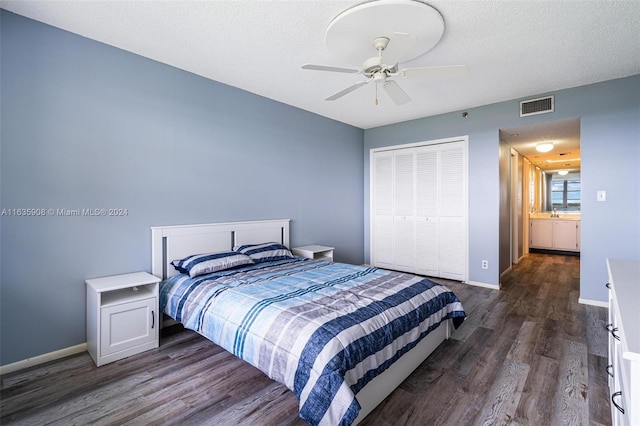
(563, 172)
(544, 147)
(563, 160)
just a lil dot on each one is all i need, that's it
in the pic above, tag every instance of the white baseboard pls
(41, 359)
(479, 284)
(598, 303)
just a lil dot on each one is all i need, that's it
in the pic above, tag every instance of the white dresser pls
(624, 341)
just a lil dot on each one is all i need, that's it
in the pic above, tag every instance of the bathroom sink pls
(562, 216)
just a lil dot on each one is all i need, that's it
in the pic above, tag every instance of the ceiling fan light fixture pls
(544, 147)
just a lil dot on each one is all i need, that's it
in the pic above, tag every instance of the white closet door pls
(427, 240)
(404, 210)
(452, 252)
(419, 209)
(382, 206)
(452, 211)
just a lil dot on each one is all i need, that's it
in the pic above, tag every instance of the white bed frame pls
(174, 242)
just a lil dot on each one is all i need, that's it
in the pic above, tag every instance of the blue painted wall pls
(609, 114)
(86, 125)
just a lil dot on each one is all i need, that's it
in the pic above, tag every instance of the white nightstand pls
(314, 252)
(122, 316)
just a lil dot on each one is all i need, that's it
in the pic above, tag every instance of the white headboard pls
(169, 243)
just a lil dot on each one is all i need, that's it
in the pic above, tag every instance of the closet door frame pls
(372, 221)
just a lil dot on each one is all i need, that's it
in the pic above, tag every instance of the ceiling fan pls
(382, 68)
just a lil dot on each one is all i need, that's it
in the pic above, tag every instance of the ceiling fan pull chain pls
(376, 94)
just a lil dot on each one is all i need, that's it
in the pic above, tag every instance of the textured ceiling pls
(512, 49)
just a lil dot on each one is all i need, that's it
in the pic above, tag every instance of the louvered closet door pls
(452, 211)
(419, 219)
(427, 240)
(382, 206)
(404, 233)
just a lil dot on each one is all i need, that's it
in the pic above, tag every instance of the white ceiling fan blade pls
(331, 69)
(396, 93)
(399, 44)
(347, 90)
(443, 71)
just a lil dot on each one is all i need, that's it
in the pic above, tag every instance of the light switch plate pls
(602, 195)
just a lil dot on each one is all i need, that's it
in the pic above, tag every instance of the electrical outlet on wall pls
(485, 264)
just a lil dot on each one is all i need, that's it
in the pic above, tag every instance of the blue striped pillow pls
(264, 252)
(200, 264)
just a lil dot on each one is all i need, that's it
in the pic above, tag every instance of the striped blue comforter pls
(323, 329)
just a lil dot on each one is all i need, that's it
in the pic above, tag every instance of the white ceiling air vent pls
(536, 106)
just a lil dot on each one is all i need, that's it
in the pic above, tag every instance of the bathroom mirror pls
(562, 192)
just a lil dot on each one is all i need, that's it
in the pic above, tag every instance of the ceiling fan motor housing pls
(373, 65)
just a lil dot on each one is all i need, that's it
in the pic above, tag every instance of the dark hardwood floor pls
(528, 354)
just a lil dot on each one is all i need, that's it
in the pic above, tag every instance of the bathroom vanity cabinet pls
(555, 234)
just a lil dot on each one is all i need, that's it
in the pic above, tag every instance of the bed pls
(341, 337)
